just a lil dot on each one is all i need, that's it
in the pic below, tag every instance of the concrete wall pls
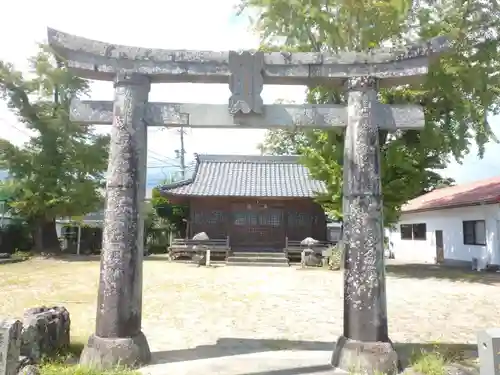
(450, 221)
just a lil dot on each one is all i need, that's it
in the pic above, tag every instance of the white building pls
(451, 225)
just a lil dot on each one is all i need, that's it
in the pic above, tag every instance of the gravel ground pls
(238, 308)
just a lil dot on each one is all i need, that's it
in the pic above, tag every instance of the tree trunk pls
(45, 237)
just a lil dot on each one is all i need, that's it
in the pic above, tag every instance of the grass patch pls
(66, 363)
(25, 255)
(435, 362)
(425, 363)
(432, 363)
(65, 369)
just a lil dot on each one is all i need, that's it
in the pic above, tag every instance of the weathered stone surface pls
(364, 285)
(119, 294)
(120, 285)
(97, 60)
(370, 358)
(365, 306)
(246, 82)
(101, 113)
(200, 256)
(5, 255)
(202, 236)
(309, 258)
(46, 330)
(309, 241)
(106, 353)
(29, 370)
(10, 346)
(286, 116)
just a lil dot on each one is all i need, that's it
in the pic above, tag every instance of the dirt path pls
(185, 306)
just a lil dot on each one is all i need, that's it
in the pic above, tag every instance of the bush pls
(336, 259)
(18, 254)
(432, 363)
(157, 240)
(15, 235)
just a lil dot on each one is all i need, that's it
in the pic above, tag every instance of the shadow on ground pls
(452, 273)
(150, 258)
(96, 258)
(408, 352)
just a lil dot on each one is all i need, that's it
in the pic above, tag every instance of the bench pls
(180, 247)
(293, 249)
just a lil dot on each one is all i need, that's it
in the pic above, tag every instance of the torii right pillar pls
(365, 346)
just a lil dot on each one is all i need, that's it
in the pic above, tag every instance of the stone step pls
(256, 264)
(262, 254)
(239, 259)
(258, 259)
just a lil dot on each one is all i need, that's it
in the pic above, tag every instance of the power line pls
(166, 161)
(4, 121)
(180, 154)
(158, 155)
(162, 166)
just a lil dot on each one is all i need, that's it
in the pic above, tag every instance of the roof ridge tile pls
(248, 175)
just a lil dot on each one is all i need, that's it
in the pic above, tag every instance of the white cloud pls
(172, 24)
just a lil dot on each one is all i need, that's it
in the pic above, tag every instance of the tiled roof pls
(479, 192)
(247, 176)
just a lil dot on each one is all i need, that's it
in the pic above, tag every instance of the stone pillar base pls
(358, 357)
(107, 353)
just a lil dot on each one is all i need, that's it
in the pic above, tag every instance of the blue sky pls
(171, 25)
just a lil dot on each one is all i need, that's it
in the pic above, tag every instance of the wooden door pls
(257, 228)
(439, 247)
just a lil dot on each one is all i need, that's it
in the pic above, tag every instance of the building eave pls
(267, 197)
(165, 189)
(451, 206)
(190, 188)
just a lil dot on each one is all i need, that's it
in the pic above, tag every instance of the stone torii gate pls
(118, 338)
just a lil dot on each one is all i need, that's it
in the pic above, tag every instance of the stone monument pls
(118, 338)
(10, 346)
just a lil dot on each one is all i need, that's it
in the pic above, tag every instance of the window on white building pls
(414, 231)
(474, 232)
(406, 232)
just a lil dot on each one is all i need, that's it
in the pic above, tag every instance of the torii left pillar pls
(118, 339)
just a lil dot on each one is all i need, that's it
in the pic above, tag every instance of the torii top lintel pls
(102, 61)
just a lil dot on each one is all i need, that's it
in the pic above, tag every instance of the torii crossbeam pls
(118, 338)
(284, 116)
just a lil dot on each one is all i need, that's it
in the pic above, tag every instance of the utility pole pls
(180, 153)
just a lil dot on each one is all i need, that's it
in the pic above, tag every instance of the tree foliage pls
(462, 87)
(174, 214)
(59, 171)
(10, 190)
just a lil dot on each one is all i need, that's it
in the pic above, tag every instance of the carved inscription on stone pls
(10, 346)
(246, 82)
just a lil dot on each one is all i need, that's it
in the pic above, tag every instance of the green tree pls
(282, 142)
(9, 191)
(175, 215)
(59, 171)
(459, 91)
